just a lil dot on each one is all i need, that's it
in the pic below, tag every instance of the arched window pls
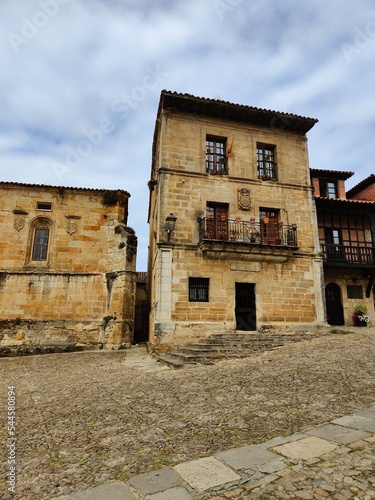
(39, 240)
(40, 244)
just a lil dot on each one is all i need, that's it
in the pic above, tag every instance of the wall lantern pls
(170, 225)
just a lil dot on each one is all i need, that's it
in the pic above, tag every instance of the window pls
(328, 188)
(266, 161)
(216, 221)
(216, 159)
(198, 289)
(271, 214)
(354, 291)
(42, 205)
(334, 248)
(39, 241)
(333, 236)
(40, 246)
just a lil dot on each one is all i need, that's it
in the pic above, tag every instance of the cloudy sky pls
(80, 82)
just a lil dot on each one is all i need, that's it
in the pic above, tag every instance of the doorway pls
(335, 311)
(245, 309)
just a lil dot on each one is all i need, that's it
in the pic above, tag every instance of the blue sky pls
(80, 82)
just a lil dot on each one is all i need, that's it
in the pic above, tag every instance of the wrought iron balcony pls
(348, 254)
(247, 232)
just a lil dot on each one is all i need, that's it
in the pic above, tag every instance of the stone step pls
(235, 345)
(228, 346)
(170, 361)
(226, 349)
(268, 338)
(200, 358)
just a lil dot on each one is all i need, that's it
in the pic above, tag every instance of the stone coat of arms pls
(19, 223)
(244, 201)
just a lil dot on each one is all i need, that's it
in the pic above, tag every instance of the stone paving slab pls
(206, 473)
(271, 467)
(356, 422)
(368, 412)
(310, 447)
(172, 494)
(271, 443)
(246, 457)
(156, 481)
(338, 434)
(109, 491)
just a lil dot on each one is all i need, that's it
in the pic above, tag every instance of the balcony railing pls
(348, 254)
(253, 233)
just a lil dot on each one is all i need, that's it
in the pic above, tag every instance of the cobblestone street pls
(83, 419)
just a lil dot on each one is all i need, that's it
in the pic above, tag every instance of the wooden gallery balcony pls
(223, 238)
(348, 256)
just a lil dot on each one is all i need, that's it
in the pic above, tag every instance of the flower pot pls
(359, 322)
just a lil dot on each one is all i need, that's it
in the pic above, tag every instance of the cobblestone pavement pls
(103, 418)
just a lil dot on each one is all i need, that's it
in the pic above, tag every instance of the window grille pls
(198, 289)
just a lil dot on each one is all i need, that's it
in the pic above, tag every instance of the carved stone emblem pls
(244, 201)
(19, 223)
(71, 226)
(71, 223)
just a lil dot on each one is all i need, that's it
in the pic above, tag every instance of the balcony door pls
(217, 221)
(269, 226)
(333, 238)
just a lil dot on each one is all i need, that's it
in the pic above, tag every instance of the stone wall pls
(287, 283)
(83, 290)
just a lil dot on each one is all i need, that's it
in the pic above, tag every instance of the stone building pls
(67, 268)
(346, 225)
(233, 233)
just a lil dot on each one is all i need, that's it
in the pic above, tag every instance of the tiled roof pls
(336, 174)
(343, 201)
(236, 112)
(361, 186)
(142, 277)
(48, 186)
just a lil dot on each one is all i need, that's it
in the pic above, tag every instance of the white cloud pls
(91, 62)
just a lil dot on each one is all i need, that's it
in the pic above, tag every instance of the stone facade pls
(67, 271)
(217, 210)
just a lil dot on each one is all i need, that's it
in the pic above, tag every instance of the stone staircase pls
(228, 346)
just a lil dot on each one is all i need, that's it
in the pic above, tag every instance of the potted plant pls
(360, 317)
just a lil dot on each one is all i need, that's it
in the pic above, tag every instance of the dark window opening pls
(328, 188)
(354, 291)
(266, 162)
(216, 159)
(41, 205)
(198, 289)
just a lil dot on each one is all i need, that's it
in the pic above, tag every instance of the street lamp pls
(170, 225)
